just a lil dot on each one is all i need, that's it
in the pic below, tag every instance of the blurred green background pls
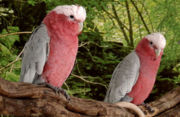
(111, 31)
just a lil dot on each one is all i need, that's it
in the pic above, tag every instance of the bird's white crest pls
(77, 11)
(158, 39)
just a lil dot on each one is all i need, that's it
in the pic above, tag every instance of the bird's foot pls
(149, 108)
(58, 90)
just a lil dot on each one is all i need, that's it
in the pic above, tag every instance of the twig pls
(140, 15)
(17, 59)
(91, 56)
(83, 44)
(15, 33)
(10, 64)
(66, 86)
(130, 24)
(139, 31)
(120, 24)
(142, 2)
(109, 14)
(80, 77)
(113, 17)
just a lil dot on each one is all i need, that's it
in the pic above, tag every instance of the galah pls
(134, 77)
(50, 53)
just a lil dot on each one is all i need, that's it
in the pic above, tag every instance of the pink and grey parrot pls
(50, 53)
(134, 77)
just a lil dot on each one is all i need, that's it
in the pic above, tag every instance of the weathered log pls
(167, 101)
(24, 99)
(174, 112)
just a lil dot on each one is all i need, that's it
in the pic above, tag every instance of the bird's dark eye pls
(151, 42)
(71, 16)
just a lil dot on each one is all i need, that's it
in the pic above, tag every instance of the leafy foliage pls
(9, 54)
(112, 29)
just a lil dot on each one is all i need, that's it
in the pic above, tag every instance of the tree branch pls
(166, 102)
(81, 77)
(9, 64)
(142, 3)
(17, 58)
(24, 99)
(140, 15)
(15, 33)
(111, 17)
(172, 112)
(120, 24)
(130, 24)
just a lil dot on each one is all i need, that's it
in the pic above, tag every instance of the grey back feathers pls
(123, 79)
(35, 55)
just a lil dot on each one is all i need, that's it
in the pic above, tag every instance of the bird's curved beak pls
(158, 52)
(80, 26)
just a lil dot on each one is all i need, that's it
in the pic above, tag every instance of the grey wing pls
(123, 78)
(35, 55)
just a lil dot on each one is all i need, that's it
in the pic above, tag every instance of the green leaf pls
(4, 50)
(11, 76)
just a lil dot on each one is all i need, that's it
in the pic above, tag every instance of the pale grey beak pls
(80, 26)
(157, 51)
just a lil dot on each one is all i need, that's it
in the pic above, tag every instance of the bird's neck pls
(58, 33)
(149, 65)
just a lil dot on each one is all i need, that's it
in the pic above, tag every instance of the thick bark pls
(23, 99)
(174, 112)
(167, 101)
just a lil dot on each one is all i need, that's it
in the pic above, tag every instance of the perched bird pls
(134, 77)
(50, 53)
